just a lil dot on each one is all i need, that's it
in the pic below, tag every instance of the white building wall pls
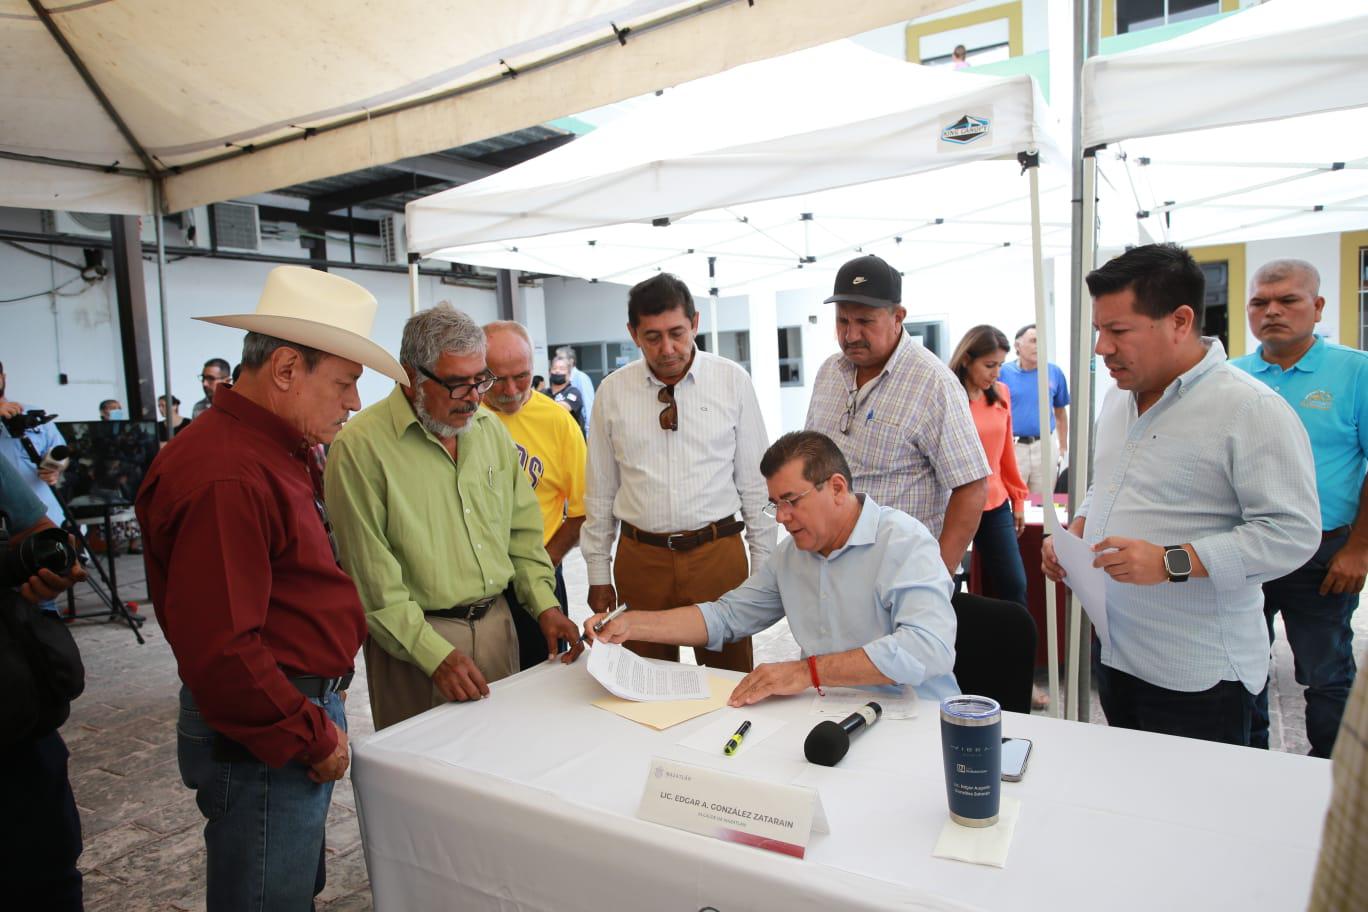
(82, 339)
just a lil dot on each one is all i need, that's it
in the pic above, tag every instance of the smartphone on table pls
(1015, 753)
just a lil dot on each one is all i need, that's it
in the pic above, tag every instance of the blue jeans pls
(1004, 577)
(1322, 644)
(265, 832)
(1220, 713)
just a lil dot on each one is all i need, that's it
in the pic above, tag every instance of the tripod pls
(87, 557)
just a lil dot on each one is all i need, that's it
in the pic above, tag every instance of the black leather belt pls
(318, 688)
(685, 541)
(1027, 439)
(1342, 530)
(225, 750)
(471, 612)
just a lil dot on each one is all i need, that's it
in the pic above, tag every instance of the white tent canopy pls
(1251, 127)
(780, 169)
(220, 99)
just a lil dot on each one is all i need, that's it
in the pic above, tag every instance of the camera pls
(49, 549)
(19, 424)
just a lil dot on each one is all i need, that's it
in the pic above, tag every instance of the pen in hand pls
(612, 615)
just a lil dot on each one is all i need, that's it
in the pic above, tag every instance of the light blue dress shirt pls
(886, 591)
(1328, 389)
(1220, 462)
(44, 438)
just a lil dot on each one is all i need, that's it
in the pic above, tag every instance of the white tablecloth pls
(526, 800)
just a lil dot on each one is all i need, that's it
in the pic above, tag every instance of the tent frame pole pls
(1030, 163)
(1087, 22)
(713, 334)
(165, 308)
(413, 283)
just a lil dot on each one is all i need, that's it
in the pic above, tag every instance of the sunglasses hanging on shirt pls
(669, 416)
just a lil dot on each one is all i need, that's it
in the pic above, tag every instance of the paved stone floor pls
(143, 846)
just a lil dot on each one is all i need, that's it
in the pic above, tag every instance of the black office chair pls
(995, 649)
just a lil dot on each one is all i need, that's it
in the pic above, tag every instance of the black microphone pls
(828, 742)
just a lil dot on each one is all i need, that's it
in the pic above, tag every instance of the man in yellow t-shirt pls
(551, 451)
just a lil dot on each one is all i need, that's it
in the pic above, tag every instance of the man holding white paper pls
(1203, 489)
(863, 587)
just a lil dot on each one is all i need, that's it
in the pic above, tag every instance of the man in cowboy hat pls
(263, 622)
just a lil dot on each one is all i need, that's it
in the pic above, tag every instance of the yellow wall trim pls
(1233, 255)
(1009, 11)
(1350, 319)
(1109, 14)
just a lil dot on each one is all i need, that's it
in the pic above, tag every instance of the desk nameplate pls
(767, 815)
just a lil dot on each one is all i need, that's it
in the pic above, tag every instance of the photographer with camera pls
(40, 674)
(16, 423)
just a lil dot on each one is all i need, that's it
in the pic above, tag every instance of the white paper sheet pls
(1089, 583)
(711, 738)
(842, 701)
(627, 675)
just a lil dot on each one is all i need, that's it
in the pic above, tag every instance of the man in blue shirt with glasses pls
(864, 589)
(1327, 386)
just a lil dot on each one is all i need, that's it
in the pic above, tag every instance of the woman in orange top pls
(977, 360)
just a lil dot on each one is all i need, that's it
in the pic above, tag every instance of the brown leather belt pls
(472, 612)
(685, 541)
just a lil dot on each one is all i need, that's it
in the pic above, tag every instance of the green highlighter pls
(734, 742)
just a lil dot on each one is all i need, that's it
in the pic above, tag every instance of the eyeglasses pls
(460, 390)
(669, 416)
(210, 378)
(771, 508)
(849, 410)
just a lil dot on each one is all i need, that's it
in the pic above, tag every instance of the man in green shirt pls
(434, 518)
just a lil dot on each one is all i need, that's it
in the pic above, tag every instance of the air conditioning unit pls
(236, 226)
(90, 224)
(393, 241)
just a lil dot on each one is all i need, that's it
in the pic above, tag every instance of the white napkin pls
(980, 845)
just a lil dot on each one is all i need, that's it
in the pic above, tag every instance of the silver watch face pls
(1177, 562)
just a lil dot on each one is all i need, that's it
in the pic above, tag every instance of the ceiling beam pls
(321, 221)
(375, 190)
(516, 155)
(443, 167)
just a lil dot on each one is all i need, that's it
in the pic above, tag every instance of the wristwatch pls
(1177, 563)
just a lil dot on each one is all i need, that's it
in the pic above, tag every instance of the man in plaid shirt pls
(898, 414)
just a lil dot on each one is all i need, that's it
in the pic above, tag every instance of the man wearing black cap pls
(898, 414)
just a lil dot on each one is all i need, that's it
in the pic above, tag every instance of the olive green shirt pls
(419, 532)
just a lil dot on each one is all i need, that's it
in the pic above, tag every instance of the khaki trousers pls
(1033, 471)
(652, 578)
(399, 690)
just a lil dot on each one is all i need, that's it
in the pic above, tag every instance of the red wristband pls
(816, 682)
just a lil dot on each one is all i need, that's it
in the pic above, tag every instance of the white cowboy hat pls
(320, 310)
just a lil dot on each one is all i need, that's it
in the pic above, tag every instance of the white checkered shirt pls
(909, 437)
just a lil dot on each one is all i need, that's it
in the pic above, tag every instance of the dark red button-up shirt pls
(243, 578)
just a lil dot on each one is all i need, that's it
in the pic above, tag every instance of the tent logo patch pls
(966, 129)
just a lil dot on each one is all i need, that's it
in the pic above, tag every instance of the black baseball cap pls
(867, 280)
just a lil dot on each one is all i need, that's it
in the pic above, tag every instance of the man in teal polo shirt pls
(1327, 385)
